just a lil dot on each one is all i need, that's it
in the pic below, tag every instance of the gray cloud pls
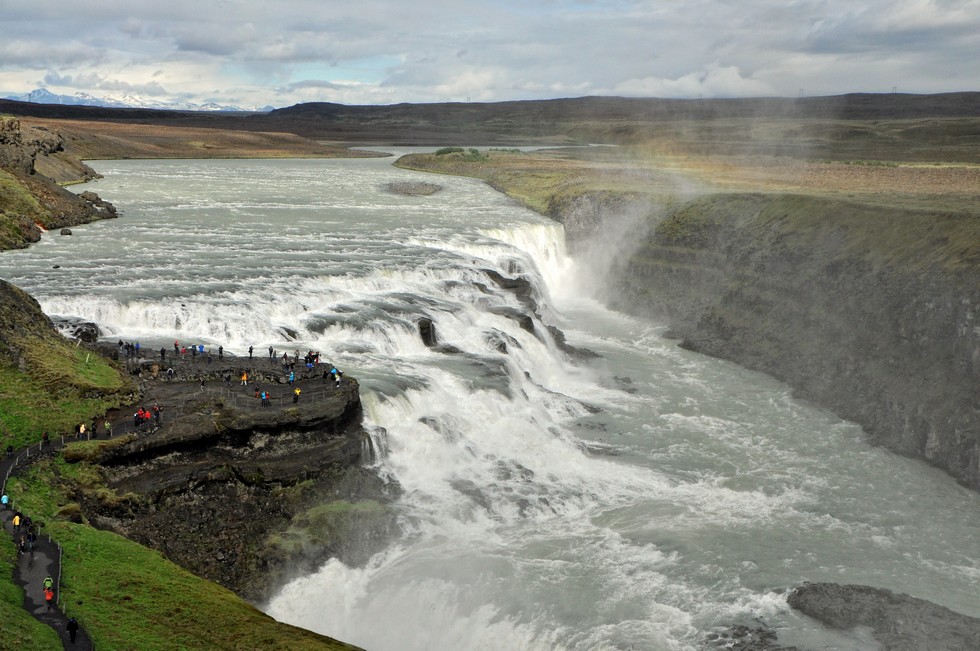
(436, 50)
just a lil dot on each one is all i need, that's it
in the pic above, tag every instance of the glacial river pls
(638, 500)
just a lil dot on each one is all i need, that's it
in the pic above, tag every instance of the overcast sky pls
(283, 52)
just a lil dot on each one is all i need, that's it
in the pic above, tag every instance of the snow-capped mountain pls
(44, 96)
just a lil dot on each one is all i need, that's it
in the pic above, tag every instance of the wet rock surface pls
(871, 311)
(899, 622)
(411, 189)
(219, 483)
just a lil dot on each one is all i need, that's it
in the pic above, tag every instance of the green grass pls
(129, 597)
(27, 408)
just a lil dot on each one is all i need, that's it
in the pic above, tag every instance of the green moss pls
(92, 451)
(15, 199)
(325, 524)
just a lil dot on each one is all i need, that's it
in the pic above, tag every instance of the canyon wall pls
(870, 311)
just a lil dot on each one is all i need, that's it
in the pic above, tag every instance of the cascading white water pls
(633, 501)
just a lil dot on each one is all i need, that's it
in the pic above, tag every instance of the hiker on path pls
(47, 583)
(108, 428)
(163, 354)
(221, 352)
(244, 379)
(72, 628)
(16, 521)
(5, 501)
(10, 451)
(250, 352)
(49, 597)
(296, 393)
(272, 352)
(292, 377)
(45, 439)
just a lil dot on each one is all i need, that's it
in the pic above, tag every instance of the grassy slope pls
(64, 386)
(127, 596)
(16, 205)
(130, 597)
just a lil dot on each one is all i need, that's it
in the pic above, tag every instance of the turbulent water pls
(634, 501)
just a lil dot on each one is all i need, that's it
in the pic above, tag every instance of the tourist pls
(45, 439)
(221, 352)
(244, 379)
(108, 428)
(49, 597)
(250, 352)
(292, 377)
(5, 501)
(163, 354)
(296, 393)
(72, 628)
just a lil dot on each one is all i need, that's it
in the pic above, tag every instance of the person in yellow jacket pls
(296, 393)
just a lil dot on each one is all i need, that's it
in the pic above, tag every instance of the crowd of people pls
(145, 418)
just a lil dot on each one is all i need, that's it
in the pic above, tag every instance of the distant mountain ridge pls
(44, 96)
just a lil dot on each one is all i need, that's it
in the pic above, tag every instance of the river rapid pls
(637, 500)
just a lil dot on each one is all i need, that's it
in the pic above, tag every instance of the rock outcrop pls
(32, 164)
(244, 495)
(899, 622)
(870, 311)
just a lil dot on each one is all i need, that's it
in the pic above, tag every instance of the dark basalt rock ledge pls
(243, 495)
(899, 622)
(896, 622)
